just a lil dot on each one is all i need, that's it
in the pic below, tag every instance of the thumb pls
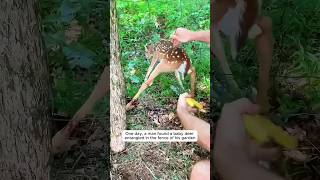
(243, 106)
(259, 153)
(174, 37)
(175, 40)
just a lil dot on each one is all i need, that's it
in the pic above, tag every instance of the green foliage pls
(76, 65)
(296, 28)
(138, 26)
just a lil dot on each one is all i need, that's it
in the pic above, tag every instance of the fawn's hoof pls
(131, 105)
(192, 95)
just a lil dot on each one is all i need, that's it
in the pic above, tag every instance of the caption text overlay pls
(160, 135)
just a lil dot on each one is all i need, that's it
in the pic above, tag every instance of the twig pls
(78, 159)
(149, 170)
(312, 145)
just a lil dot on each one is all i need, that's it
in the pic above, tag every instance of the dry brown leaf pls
(297, 82)
(203, 103)
(96, 145)
(80, 171)
(296, 155)
(68, 160)
(171, 116)
(297, 132)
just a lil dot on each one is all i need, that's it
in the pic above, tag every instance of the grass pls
(295, 78)
(155, 160)
(137, 27)
(296, 59)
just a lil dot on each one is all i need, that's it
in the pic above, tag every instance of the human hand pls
(181, 35)
(232, 139)
(182, 106)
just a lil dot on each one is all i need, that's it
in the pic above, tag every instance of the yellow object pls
(194, 104)
(263, 130)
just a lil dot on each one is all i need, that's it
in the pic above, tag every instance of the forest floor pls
(88, 160)
(156, 160)
(173, 160)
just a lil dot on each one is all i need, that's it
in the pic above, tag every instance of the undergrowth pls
(145, 22)
(74, 33)
(295, 73)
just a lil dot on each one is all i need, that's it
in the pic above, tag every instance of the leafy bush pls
(73, 32)
(296, 58)
(143, 22)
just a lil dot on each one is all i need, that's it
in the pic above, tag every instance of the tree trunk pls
(117, 93)
(24, 87)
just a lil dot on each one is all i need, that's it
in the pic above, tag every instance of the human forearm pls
(238, 169)
(202, 36)
(193, 123)
(233, 163)
(183, 35)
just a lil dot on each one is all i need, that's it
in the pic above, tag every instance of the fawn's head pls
(148, 51)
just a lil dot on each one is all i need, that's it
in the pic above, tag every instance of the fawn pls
(240, 20)
(165, 59)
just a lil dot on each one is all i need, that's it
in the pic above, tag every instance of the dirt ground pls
(146, 161)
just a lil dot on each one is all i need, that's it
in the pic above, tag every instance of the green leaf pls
(174, 89)
(67, 11)
(53, 40)
(79, 56)
(131, 64)
(135, 79)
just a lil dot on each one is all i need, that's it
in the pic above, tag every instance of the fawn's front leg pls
(179, 78)
(155, 59)
(219, 51)
(264, 46)
(192, 73)
(156, 71)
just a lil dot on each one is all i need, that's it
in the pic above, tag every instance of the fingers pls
(259, 153)
(185, 95)
(193, 110)
(175, 40)
(242, 106)
(201, 170)
(182, 104)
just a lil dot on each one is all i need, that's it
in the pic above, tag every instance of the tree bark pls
(117, 93)
(24, 87)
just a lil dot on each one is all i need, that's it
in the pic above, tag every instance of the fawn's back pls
(172, 57)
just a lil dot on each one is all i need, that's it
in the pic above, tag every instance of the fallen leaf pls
(80, 171)
(68, 160)
(97, 134)
(296, 155)
(171, 116)
(297, 132)
(96, 145)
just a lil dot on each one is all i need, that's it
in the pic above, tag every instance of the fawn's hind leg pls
(157, 70)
